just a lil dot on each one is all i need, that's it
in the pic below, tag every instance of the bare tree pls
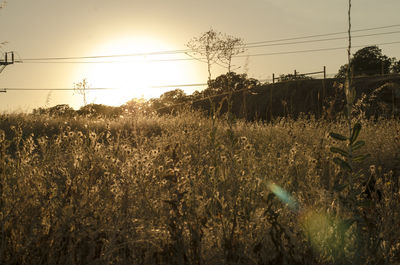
(216, 48)
(207, 45)
(80, 88)
(229, 47)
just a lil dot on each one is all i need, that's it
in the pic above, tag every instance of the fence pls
(297, 75)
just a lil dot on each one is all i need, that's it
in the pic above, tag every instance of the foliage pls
(169, 101)
(58, 110)
(100, 110)
(395, 67)
(292, 77)
(368, 61)
(186, 189)
(229, 82)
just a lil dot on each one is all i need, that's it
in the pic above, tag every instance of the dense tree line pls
(370, 61)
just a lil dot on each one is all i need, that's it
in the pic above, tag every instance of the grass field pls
(187, 189)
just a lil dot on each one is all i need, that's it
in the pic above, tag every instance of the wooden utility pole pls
(8, 59)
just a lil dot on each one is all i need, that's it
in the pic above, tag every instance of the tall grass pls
(188, 190)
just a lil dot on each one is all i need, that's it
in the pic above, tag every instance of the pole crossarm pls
(8, 59)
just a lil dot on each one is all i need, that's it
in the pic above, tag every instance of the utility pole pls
(8, 59)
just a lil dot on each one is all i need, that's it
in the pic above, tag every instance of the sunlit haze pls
(132, 76)
(79, 30)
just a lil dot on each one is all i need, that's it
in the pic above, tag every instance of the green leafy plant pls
(349, 156)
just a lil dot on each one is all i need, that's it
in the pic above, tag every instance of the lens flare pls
(327, 233)
(284, 196)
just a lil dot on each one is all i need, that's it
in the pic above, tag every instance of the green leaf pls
(355, 132)
(360, 158)
(339, 187)
(343, 164)
(346, 224)
(365, 203)
(339, 151)
(357, 145)
(338, 136)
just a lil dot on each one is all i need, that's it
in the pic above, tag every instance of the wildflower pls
(372, 169)
(293, 151)
(211, 170)
(243, 139)
(154, 152)
(224, 159)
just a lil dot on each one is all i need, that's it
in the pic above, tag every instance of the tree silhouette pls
(207, 45)
(367, 61)
(230, 82)
(229, 47)
(80, 88)
(395, 68)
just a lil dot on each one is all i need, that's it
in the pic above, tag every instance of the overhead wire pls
(53, 89)
(202, 59)
(320, 40)
(96, 88)
(189, 50)
(325, 34)
(315, 50)
(46, 60)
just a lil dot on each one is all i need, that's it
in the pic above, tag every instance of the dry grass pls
(187, 190)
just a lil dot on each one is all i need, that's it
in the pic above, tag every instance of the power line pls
(189, 50)
(314, 50)
(107, 56)
(95, 88)
(324, 35)
(214, 96)
(319, 40)
(236, 56)
(183, 85)
(53, 89)
(156, 86)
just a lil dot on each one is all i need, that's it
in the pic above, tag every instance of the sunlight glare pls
(133, 77)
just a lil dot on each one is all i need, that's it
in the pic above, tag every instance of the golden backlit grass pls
(189, 190)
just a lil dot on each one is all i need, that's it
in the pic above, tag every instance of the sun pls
(133, 76)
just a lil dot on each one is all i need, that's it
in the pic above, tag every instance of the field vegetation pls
(153, 183)
(189, 189)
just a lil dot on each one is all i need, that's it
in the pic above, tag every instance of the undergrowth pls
(186, 189)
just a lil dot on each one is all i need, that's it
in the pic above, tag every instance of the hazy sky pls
(55, 28)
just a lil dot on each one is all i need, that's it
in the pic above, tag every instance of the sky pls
(84, 28)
